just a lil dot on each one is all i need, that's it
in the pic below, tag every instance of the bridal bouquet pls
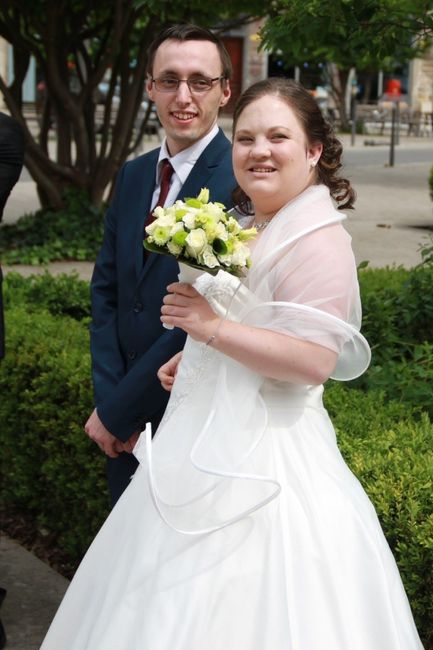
(201, 235)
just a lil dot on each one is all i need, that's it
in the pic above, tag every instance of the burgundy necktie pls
(166, 174)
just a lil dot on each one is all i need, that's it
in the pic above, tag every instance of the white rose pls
(207, 258)
(226, 259)
(165, 219)
(221, 231)
(174, 248)
(240, 255)
(177, 226)
(215, 210)
(158, 212)
(189, 220)
(151, 227)
(195, 242)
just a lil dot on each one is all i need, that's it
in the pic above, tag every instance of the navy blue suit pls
(128, 342)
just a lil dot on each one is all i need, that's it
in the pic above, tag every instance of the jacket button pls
(138, 307)
(132, 355)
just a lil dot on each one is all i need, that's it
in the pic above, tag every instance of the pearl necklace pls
(261, 225)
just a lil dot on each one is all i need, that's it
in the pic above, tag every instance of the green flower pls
(219, 247)
(230, 245)
(203, 197)
(179, 238)
(161, 235)
(247, 233)
(193, 203)
(233, 226)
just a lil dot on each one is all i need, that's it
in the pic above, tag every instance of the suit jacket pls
(128, 342)
(11, 156)
(11, 162)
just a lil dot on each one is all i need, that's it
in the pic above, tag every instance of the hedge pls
(397, 322)
(52, 470)
(50, 467)
(74, 233)
(64, 294)
(390, 451)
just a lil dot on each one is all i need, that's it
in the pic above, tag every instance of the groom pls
(188, 80)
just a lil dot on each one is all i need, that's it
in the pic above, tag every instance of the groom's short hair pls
(188, 32)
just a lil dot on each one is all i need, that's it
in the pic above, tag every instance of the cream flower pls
(174, 248)
(189, 220)
(208, 258)
(195, 242)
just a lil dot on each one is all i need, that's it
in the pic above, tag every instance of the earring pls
(312, 164)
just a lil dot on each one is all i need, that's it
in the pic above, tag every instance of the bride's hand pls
(186, 308)
(167, 372)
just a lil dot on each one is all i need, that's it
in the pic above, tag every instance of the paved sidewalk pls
(393, 214)
(34, 592)
(392, 217)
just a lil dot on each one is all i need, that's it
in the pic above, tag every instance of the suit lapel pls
(204, 167)
(148, 185)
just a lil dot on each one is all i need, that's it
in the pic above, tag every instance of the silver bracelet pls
(212, 338)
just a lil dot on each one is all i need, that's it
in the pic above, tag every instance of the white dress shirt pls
(182, 163)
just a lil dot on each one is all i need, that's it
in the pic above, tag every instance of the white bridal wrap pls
(208, 465)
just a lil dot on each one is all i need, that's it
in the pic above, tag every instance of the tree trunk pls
(76, 49)
(337, 80)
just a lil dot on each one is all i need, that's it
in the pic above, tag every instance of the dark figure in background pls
(11, 163)
(188, 80)
(11, 156)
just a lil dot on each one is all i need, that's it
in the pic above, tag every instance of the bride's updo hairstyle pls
(316, 129)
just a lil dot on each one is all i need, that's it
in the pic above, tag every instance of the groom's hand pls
(103, 438)
(108, 443)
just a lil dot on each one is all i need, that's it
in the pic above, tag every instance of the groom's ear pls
(227, 91)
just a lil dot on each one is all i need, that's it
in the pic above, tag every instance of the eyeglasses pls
(195, 84)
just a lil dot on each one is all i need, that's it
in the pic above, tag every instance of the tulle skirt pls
(309, 571)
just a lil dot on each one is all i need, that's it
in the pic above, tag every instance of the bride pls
(243, 529)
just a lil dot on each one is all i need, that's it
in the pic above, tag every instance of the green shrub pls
(380, 289)
(74, 233)
(50, 467)
(397, 309)
(392, 456)
(397, 322)
(415, 305)
(427, 252)
(63, 294)
(409, 380)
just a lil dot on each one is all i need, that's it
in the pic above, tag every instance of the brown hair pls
(188, 32)
(316, 129)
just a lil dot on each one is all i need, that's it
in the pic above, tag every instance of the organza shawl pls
(210, 463)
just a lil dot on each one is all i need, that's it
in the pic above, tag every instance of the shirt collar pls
(185, 160)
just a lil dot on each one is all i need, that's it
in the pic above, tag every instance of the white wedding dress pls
(243, 528)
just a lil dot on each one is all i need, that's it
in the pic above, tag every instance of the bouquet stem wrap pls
(187, 274)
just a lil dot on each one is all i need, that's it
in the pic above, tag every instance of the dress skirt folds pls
(243, 528)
